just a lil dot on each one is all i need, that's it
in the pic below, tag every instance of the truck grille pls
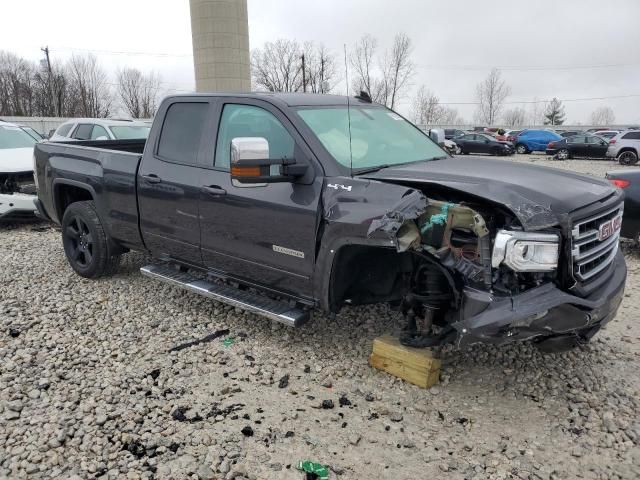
(590, 254)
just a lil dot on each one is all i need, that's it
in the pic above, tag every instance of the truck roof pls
(288, 99)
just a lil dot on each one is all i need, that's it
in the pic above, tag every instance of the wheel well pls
(365, 274)
(65, 195)
(627, 149)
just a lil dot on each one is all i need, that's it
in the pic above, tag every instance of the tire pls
(562, 154)
(521, 148)
(85, 242)
(628, 157)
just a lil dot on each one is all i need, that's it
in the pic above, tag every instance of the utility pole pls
(46, 54)
(304, 76)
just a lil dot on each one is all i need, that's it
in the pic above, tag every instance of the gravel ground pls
(92, 385)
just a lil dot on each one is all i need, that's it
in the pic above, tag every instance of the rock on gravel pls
(91, 382)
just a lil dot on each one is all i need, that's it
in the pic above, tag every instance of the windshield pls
(30, 131)
(129, 132)
(379, 136)
(15, 137)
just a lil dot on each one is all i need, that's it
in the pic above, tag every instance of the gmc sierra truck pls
(281, 203)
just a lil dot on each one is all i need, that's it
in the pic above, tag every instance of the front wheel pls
(520, 148)
(85, 242)
(628, 158)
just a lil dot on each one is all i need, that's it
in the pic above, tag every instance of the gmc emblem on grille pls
(609, 227)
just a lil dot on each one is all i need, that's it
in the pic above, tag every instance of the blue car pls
(535, 140)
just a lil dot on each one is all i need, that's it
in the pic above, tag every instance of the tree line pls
(77, 87)
(386, 76)
(80, 87)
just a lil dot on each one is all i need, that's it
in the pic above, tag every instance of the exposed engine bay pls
(450, 246)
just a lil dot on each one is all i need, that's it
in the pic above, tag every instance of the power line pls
(515, 102)
(112, 52)
(526, 68)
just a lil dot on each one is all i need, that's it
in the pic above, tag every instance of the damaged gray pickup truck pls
(279, 203)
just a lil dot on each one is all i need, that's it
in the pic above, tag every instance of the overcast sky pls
(571, 49)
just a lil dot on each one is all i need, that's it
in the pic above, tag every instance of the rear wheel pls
(563, 154)
(521, 148)
(628, 157)
(85, 242)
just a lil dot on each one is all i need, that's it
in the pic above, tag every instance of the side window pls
(83, 132)
(63, 130)
(575, 139)
(181, 132)
(251, 121)
(98, 131)
(632, 136)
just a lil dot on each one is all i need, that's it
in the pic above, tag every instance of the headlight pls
(526, 252)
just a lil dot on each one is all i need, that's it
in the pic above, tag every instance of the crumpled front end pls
(17, 195)
(465, 288)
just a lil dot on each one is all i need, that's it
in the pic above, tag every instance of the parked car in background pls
(578, 146)
(512, 134)
(629, 181)
(625, 147)
(569, 133)
(17, 186)
(451, 133)
(483, 143)
(607, 134)
(535, 140)
(101, 129)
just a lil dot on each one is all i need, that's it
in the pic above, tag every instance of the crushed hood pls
(536, 195)
(16, 160)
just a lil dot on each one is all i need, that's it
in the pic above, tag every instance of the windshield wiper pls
(371, 169)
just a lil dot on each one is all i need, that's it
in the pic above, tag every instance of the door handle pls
(214, 190)
(152, 178)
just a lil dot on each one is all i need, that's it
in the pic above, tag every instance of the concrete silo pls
(220, 32)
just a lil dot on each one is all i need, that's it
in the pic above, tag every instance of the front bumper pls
(17, 206)
(545, 311)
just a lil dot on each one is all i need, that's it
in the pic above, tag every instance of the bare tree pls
(138, 92)
(602, 116)
(89, 84)
(514, 117)
(320, 68)
(17, 81)
(385, 79)
(536, 112)
(450, 116)
(362, 62)
(276, 67)
(397, 70)
(426, 108)
(491, 94)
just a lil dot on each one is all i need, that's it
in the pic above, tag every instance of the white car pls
(101, 129)
(17, 185)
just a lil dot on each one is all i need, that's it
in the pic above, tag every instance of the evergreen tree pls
(554, 113)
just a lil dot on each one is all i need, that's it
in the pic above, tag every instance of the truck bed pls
(107, 167)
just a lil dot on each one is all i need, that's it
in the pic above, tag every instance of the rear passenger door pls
(169, 180)
(262, 234)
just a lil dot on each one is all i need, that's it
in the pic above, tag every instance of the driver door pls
(259, 233)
